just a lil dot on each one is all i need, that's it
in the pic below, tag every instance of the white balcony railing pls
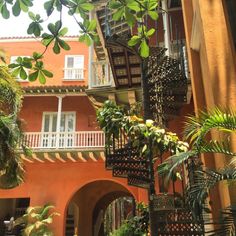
(66, 140)
(101, 74)
(73, 74)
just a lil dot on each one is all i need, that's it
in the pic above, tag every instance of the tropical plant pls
(36, 221)
(135, 226)
(144, 136)
(11, 166)
(196, 130)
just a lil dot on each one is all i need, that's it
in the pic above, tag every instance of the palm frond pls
(196, 128)
(171, 163)
(10, 93)
(204, 180)
(225, 225)
(11, 165)
(217, 147)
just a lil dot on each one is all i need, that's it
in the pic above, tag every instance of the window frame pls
(66, 68)
(55, 112)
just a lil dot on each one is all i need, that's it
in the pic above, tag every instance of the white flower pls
(149, 123)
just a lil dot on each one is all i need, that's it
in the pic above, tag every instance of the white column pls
(90, 66)
(166, 26)
(59, 108)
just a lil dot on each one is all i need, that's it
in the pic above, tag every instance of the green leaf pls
(31, 15)
(16, 72)
(153, 14)
(47, 39)
(63, 31)
(118, 14)
(92, 25)
(16, 9)
(30, 29)
(87, 40)
(23, 6)
(37, 30)
(13, 65)
(134, 6)
(150, 32)
(134, 40)
(56, 48)
(5, 12)
(33, 76)
(115, 4)
(42, 78)
(23, 74)
(87, 6)
(37, 55)
(48, 73)
(58, 26)
(82, 38)
(52, 28)
(129, 17)
(144, 49)
(63, 44)
(48, 6)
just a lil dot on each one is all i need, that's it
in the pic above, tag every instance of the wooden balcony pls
(64, 140)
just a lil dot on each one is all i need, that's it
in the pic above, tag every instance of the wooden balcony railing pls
(66, 140)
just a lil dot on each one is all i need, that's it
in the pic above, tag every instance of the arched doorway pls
(87, 206)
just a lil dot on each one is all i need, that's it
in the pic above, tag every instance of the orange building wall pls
(213, 70)
(33, 108)
(57, 183)
(54, 63)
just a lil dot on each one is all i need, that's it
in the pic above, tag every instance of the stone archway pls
(91, 199)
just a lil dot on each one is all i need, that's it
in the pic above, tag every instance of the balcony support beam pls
(92, 157)
(58, 157)
(23, 157)
(59, 109)
(68, 155)
(80, 156)
(34, 156)
(47, 157)
(102, 155)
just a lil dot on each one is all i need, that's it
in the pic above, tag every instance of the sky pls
(17, 26)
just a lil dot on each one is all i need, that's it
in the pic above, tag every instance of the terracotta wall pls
(213, 70)
(33, 108)
(57, 183)
(54, 63)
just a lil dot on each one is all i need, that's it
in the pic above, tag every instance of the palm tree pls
(11, 167)
(196, 131)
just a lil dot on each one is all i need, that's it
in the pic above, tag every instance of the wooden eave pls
(52, 90)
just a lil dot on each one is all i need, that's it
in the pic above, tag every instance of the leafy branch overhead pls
(133, 12)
